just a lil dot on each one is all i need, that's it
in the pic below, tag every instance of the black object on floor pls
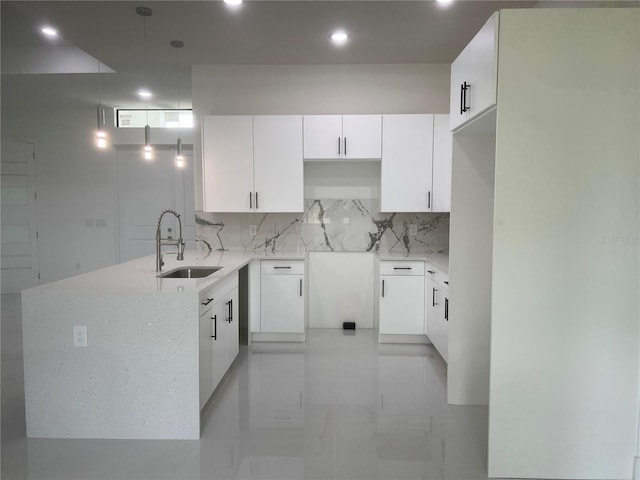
(349, 325)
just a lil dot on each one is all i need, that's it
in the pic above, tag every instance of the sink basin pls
(190, 272)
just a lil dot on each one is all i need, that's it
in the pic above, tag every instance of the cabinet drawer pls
(282, 267)
(402, 267)
(439, 276)
(206, 300)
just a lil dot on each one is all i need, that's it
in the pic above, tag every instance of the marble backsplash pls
(326, 225)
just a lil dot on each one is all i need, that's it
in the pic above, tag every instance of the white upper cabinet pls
(277, 163)
(227, 162)
(474, 75)
(252, 164)
(442, 145)
(406, 168)
(354, 137)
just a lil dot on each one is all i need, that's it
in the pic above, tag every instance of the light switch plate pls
(80, 336)
(413, 229)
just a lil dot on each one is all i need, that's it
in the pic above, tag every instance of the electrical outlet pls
(252, 230)
(413, 229)
(80, 336)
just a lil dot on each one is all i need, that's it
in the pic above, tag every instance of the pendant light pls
(178, 44)
(147, 150)
(100, 136)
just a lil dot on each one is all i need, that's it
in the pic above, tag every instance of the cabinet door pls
(361, 136)
(282, 304)
(483, 62)
(206, 357)
(442, 145)
(277, 163)
(435, 321)
(227, 162)
(402, 305)
(460, 73)
(232, 326)
(322, 136)
(406, 169)
(219, 360)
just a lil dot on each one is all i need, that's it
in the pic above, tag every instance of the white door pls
(18, 200)
(227, 159)
(483, 59)
(406, 167)
(206, 357)
(435, 313)
(277, 163)
(219, 314)
(322, 136)
(362, 136)
(145, 189)
(402, 305)
(442, 147)
(282, 304)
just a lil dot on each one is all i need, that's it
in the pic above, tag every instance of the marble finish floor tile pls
(339, 406)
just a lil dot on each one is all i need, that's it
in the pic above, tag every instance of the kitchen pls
(269, 102)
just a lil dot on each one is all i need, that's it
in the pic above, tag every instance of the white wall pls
(76, 185)
(316, 89)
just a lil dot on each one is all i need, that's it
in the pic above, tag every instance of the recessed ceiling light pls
(49, 31)
(145, 93)
(233, 2)
(339, 38)
(444, 2)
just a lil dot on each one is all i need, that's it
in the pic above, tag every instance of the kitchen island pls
(138, 375)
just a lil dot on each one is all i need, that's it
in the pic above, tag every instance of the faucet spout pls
(179, 243)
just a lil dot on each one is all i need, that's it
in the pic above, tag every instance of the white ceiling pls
(259, 32)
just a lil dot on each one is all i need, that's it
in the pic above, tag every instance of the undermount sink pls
(189, 272)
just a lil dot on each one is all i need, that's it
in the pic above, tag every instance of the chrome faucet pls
(168, 241)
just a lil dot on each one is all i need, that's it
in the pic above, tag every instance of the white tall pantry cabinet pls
(545, 192)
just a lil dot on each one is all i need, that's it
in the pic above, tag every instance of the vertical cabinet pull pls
(463, 97)
(382, 288)
(429, 199)
(300, 287)
(338, 145)
(345, 146)
(257, 201)
(250, 201)
(215, 327)
(230, 305)
(446, 309)
(433, 297)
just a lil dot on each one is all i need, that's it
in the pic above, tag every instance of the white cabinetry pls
(442, 155)
(282, 296)
(415, 174)
(474, 75)
(328, 137)
(437, 318)
(219, 333)
(227, 162)
(402, 297)
(406, 176)
(252, 164)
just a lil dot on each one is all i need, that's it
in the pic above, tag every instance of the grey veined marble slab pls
(326, 225)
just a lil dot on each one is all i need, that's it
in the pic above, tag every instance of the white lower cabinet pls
(219, 334)
(282, 296)
(437, 318)
(402, 297)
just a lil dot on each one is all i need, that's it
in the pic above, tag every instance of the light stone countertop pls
(139, 275)
(438, 260)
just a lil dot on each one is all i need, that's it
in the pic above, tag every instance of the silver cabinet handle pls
(433, 297)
